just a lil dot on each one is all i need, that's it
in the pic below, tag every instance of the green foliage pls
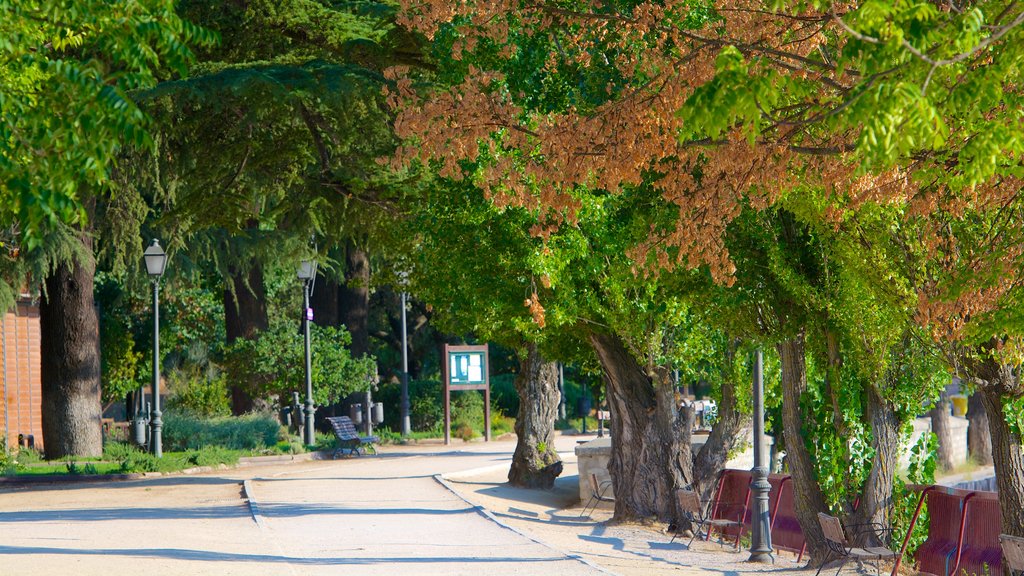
(467, 415)
(211, 456)
(192, 394)
(66, 68)
(922, 472)
(273, 364)
(250, 432)
(132, 460)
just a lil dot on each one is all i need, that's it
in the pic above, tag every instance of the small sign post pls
(465, 368)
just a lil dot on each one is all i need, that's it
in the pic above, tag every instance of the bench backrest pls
(832, 529)
(343, 428)
(689, 502)
(1013, 551)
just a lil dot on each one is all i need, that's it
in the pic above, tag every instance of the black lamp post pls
(307, 273)
(156, 261)
(760, 534)
(406, 424)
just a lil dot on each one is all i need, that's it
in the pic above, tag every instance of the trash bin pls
(355, 413)
(378, 413)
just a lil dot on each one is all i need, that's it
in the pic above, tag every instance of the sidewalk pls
(552, 517)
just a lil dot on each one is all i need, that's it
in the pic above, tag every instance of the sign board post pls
(465, 368)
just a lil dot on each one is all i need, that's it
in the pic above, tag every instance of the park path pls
(384, 515)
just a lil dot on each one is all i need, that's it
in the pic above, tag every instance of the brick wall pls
(19, 374)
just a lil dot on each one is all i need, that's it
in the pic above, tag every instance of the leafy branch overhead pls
(719, 106)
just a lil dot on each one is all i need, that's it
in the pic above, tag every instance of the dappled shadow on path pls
(210, 556)
(280, 509)
(181, 480)
(239, 510)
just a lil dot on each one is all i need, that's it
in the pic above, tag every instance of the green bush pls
(500, 423)
(197, 395)
(467, 414)
(211, 456)
(254, 431)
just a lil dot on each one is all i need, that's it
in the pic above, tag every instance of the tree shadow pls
(209, 556)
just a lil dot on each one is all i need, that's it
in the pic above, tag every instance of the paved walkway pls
(375, 516)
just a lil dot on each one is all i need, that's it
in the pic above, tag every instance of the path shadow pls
(210, 556)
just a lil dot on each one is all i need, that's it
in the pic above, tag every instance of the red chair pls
(937, 555)
(786, 531)
(732, 500)
(980, 552)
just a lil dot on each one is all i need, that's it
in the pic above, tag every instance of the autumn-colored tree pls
(729, 105)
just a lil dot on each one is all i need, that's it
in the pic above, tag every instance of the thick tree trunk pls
(876, 495)
(1008, 459)
(941, 416)
(70, 363)
(354, 299)
(979, 439)
(245, 316)
(325, 302)
(535, 463)
(645, 463)
(808, 499)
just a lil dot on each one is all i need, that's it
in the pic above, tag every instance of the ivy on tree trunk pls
(807, 497)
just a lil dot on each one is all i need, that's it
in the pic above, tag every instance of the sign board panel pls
(467, 368)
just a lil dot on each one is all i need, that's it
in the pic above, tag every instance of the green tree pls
(65, 70)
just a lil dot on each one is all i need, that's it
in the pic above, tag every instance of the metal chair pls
(840, 548)
(597, 494)
(1013, 553)
(689, 503)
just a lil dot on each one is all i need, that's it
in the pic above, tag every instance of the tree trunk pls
(876, 494)
(325, 301)
(1008, 458)
(354, 299)
(645, 462)
(979, 439)
(535, 463)
(70, 360)
(996, 382)
(245, 316)
(725, 435)
(941, 416)
(807, 496)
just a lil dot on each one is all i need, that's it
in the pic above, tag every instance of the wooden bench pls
(348, 439)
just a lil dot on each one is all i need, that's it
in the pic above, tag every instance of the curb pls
(490, 516)
(254, 507)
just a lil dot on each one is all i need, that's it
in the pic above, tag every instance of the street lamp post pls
(760, 535)
(307, 272)
(406, 424)
(156, 261)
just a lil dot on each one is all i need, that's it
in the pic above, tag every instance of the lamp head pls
(156, 260)
(307, 270)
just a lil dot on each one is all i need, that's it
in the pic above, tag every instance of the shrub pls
(500, 423)
(211, 456)
(251, 432)
(467, 414)
(192, 393)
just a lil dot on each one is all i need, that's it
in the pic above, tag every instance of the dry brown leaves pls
(537, 159)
